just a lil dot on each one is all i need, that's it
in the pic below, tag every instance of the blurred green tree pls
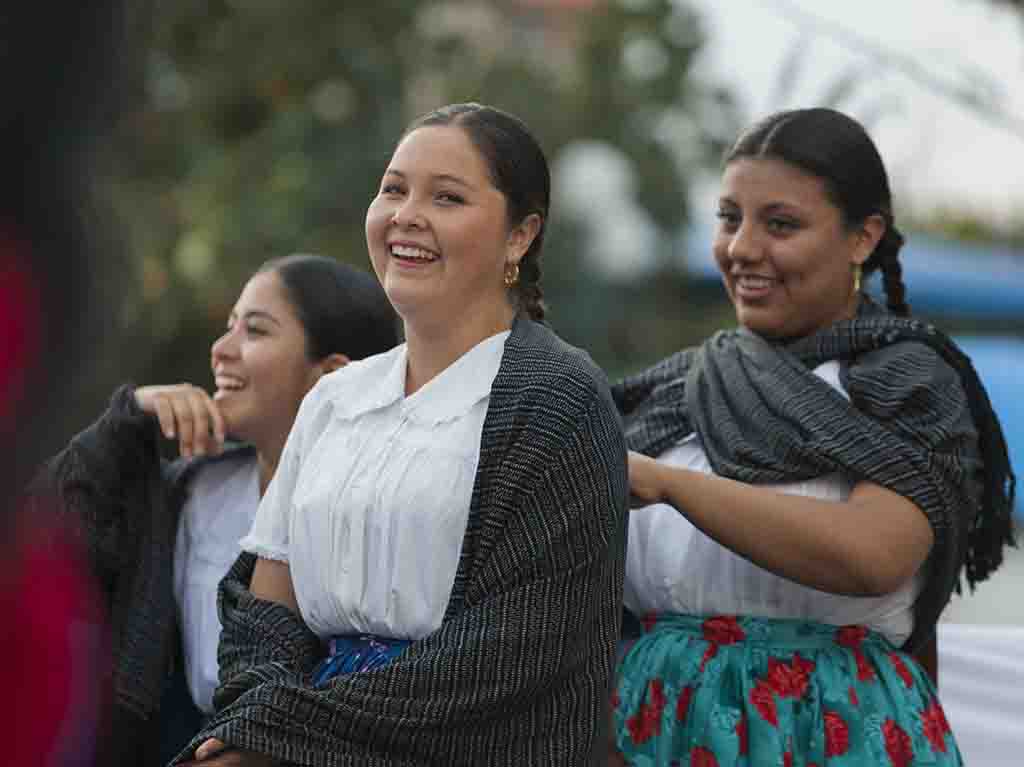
(264, 126)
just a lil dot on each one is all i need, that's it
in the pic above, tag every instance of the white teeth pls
(754, 283)
(412, 252)
(229, 383)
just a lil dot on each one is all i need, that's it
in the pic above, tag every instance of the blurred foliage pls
(263, 127)
(965, 226)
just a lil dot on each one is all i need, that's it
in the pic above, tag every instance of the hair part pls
(835, 148)
(343, 310)
(519, 170)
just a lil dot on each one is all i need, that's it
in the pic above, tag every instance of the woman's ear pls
(331, 362)
(869, 235)
(523, 235)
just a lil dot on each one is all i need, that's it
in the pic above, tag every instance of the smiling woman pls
(810, 487)
(448, 518)
(163, 534)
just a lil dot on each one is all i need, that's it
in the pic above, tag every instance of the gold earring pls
(511, 274)
(857, 272)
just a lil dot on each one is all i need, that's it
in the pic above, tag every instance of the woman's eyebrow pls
(259, 314)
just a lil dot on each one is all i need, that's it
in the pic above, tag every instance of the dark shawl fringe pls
(518, 672)
(918, 422)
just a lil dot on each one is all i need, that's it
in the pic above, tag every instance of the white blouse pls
(371, 496)
(223, 497)
(671, 566)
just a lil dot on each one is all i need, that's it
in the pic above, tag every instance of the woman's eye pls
(391, 189)
(781, 225)
(451, 198)
(255, 330)
(729, 219)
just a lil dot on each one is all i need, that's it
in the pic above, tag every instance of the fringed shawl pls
(918, 422)
(518, 674)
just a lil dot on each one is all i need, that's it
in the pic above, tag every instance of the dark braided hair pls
(836, 148)
(518, 170)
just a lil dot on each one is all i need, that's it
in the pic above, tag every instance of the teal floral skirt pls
(725, 692)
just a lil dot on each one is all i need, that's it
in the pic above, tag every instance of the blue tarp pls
(942, 276)
(999, 361)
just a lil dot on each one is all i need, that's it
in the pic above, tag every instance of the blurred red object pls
(53, 647)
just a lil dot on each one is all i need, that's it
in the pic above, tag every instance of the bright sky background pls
(938, 151)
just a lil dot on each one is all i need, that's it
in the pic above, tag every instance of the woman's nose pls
(743, 245)
(224, 347)
(408, 215)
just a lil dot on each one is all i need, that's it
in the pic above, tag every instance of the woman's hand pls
(645, 485)
(215, 753)
(186, 413)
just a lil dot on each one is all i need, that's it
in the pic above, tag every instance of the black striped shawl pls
(917, 422)
(518, 673)
(127, 501)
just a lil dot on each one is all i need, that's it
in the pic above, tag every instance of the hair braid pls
(528, 290)
(887, 258)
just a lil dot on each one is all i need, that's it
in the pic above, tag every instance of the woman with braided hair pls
(809, 487)
(435, 573)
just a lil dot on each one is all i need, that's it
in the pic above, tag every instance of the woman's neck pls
(432, 348)
(267, 456)
(266, 467)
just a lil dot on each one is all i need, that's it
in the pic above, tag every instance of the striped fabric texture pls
(914, 423)
(518, 674)
(126, 500)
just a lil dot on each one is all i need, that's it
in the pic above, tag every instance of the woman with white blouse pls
(810, 486)
(436, 569)
(163, 533)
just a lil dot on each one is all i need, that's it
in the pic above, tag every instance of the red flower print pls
(789, 680)
(851, 636)
(683, 704)
(854, 700)
(648, 620)
(864, 671)
(702, 757)
(787, 759)
(897, 744)
(837, 734)
(763, 699)
(935, 726)
(743, 735)
(901, 669)
(616, 700)
(724, 629)
(940, 714)
(646, 723)
(709, 653)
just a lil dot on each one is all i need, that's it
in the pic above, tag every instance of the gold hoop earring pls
(858, 270)
(511, 274)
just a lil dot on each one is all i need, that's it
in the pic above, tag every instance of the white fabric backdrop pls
(981, 686)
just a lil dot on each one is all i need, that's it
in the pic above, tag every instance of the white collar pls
(378, 382)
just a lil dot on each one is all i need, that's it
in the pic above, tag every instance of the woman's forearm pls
(869, 545)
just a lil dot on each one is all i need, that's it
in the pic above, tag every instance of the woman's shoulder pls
(550, 383)
(539, 354)
(357, 379)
